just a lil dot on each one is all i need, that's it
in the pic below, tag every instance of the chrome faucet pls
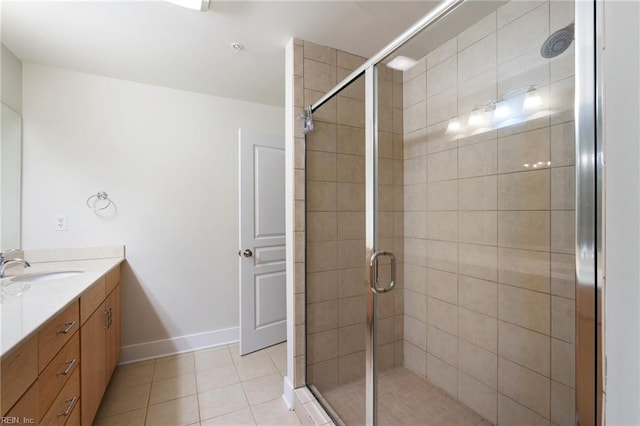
(5, 262)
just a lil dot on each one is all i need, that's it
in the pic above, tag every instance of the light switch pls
(61, 223)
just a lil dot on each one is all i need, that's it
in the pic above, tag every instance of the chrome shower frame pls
(589, 267)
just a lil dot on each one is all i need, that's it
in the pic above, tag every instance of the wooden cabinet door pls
(113, 331)
(93, 363)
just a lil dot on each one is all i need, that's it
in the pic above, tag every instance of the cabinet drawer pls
(91, 299)
(56, 333)
(113, 279)
(53, 378)
(65, 403)
(26, 407)
(19, 369)
(74, 417)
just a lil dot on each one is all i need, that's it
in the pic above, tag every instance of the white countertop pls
(23, 314)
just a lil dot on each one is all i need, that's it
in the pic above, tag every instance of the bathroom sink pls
(45, 276)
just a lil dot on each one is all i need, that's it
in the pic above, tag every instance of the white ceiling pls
(158, 43)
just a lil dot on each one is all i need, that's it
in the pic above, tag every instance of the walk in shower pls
(440, 224)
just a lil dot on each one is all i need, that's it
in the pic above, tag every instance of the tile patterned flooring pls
(405, 399)
(209, 387)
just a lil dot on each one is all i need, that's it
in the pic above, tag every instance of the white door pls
(263, 313)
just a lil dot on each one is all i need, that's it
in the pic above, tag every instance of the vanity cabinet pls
(58, 375)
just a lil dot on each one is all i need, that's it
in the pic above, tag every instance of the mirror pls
(10, 179)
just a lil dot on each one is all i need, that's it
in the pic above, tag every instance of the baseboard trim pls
(289, 395)
(176, 345)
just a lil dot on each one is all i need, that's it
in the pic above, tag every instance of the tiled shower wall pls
(489, 241)
(335, 219)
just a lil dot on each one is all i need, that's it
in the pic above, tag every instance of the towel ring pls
(100, 196)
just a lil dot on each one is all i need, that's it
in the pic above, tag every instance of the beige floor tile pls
(172, 366)
(217, 402)
(276, 349)
(274, 413)
(177, 412)
(212, 358)
(132, 374)
(263, 389)
(130, 418)
(250, 368)
(216, 377)
(237, 418)
(280, 361)
(172, 388)
(121, 400)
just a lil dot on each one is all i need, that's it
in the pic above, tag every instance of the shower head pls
(557, 42)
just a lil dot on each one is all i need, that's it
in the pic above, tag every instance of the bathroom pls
(167, 158)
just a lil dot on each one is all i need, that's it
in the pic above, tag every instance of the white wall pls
(622, 133)
(11, 87)
(168, 160)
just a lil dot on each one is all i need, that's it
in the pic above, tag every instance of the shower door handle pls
(373, 272)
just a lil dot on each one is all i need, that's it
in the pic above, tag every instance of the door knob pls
(245, 253)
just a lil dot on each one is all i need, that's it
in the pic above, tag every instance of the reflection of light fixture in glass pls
(502, 110)
(475, 118)
(453, 126)
(532, 100)
(402, 63)
(201, 5)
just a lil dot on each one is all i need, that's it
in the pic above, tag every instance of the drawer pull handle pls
(71, 403)
(110, 317)
(70, 365)
(68, 327)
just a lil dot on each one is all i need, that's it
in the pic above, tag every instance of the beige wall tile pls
(563, 367)
(512, 413)
(298, 91)
(442, 345)
(478, 227)
(321, 196)
(441, 106)
(479, 397)
(442, 285)
(322, 226)
(385, 145)
(414, 117)
(355, 90)
(524, 386)
(386, 331)
(350, 339)
(476, 92)
(525, 70)
(415, 143)
(523, 34)
(479, 193)
(479, 329)
(415, 359)
(350, 112)
(322, 286)
(442, 195)
(415, 197)
(511, 11)
(415, 332)
(563, 144)
(323, 138)
(563, 188)
(561, 99)
(415, 251)
(322, 256)
(300, 369)
(442, 315)
(414, 90)
(351, 225)
(524, 191)
(415, 224)
(322, 316)
(442, 375)
(299, 154)
(324, 375)
(477, 58)
(322, 346)
(478, 261)
(300, 308)
(525, 308)
(563, 234)
(350, 168)
(351, 197)
(299, 246)
(299, 185)
(441, 255)
(350, 140)
(349, 61)
(442, 52)
(524, 268)
(478, 160)
(300, 343)
(319, 76)
(351, 310)
(438, 139)
(439, 225)
(300, 220)
(351, 254)
(321, 166)
(562, 404)
(528, 230)
(386, 357)
(442, 165)
(478, 363)
(319, 53)
(298, 61)
(478, 295)
(523, 148)
(351, 282)
(415, 170)
(563, 275)
(442, 76)
(525, 347)
(477, 31)
(563, 314)
(415, 305)
(352, 367)
(415, 278)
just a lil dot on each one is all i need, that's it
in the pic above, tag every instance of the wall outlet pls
(61, 222)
